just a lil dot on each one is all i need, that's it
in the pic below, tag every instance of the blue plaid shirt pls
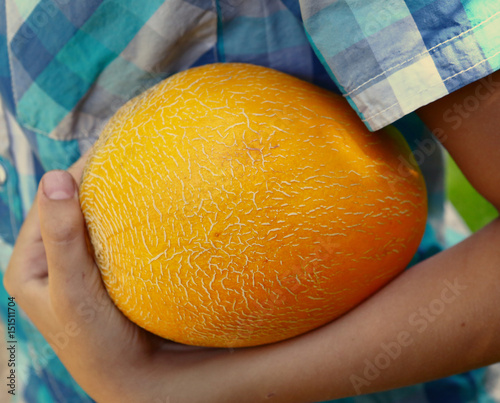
(66, 66)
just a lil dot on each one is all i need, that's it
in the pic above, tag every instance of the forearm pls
(437, 319)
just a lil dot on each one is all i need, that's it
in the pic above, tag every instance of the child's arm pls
(439, 318)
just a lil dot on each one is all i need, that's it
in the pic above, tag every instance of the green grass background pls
(473, 208)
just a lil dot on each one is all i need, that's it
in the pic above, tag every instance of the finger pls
(77, 295)
(30, 230)
(26, 274)
(71, 268)
(32, 223)
(28, 258)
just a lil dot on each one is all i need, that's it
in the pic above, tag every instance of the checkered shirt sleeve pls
(390, 57)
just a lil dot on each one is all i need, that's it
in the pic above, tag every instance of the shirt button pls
(3, 175)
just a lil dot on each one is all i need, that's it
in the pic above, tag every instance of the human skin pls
(437, 319)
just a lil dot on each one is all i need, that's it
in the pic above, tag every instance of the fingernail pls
(58, 185)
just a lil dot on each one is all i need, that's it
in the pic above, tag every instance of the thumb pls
(63, 232)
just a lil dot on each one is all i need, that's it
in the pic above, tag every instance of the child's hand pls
(54, 279)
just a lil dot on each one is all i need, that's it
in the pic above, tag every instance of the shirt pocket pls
(75, 63)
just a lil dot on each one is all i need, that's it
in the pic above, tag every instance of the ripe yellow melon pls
(234, 205)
